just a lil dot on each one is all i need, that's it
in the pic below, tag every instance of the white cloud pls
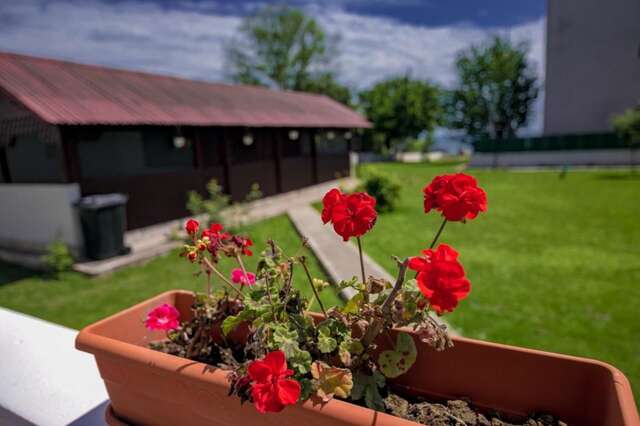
(190, 43)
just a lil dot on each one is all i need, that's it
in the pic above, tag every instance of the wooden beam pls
(275, 136)
(71, 160)
(4, 165)
(314, 155)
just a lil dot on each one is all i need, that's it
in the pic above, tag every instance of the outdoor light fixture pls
(347, 135)
(179, 142)
(331, 135)
(294, 135)
(247, 139)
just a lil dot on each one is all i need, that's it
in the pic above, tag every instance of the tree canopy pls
(627, 125)
(283, 48)
(401, 108)
(496, 88)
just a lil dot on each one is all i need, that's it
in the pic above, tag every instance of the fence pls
(553, 143)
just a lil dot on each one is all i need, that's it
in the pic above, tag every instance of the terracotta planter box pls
(151, 388)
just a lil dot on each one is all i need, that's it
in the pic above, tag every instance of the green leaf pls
(286, 340)
(365, 386)
(326, 343)
(230, 323)
(353, 305)
(394, 363)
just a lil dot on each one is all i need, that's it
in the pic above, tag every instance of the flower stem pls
(222, 277)
(377, 324)
(208, 284)
(364, 279)
(435, 239)
(315, 292)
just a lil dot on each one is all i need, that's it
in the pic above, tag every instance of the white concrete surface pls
(595, 157)
(44, 380)
(34, 215)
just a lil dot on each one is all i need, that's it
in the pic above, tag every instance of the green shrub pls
(384, 189)
(211, 206)
(58, 257)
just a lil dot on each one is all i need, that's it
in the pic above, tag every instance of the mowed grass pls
(75, 300)
(554, 264)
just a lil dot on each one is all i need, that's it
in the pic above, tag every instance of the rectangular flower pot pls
(147, 387)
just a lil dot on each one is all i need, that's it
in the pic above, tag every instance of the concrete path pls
(44, 380)
(338, 258)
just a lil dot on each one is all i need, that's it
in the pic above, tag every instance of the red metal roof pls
(68, 93)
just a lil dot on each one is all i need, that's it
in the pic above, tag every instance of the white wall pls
(34, 215)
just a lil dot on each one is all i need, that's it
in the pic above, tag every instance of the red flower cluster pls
(441, 278)
(271, 390)
(163, 317)
(457, 196)
(191, 226)
(214, 239)
(352, 215)
(243, 244)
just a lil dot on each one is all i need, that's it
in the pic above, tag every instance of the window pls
(300, 147)
(259, 147)
(132, 152)
(325, 146)
(30, 160)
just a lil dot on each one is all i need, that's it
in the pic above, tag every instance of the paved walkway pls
(339, 259)
(152, 241)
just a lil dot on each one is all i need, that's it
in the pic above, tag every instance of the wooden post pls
(4, 165)
(71, 161)
(226, 159)
(198, 154)
(314, 156)
(274, 135)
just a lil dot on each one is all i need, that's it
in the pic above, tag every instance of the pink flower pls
(237, 276)
(163, 317)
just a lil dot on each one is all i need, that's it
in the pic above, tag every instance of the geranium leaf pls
(394, 363)
(331, 381)
(365, 386)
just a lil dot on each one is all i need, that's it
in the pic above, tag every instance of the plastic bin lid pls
(101, 201)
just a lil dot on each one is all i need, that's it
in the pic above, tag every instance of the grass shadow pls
(618, 176)
(10, 273)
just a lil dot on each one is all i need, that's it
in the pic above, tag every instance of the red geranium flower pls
(191, 227)
(163, 317)
(457, 196)
(271, 390)
(330, 199)
(352, 215)
(244, 244)
(355, 216)
(441, 277)
(214, 233)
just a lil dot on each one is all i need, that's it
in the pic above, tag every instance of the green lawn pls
(554, 264)
(75, 300)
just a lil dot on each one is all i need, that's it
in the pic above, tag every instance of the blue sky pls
(378, 38)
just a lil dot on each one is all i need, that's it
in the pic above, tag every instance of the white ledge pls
(44, 380)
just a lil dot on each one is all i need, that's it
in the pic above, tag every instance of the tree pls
(283, 48)
(326, 84)
(401, 108)
(496, 89)
(627, 126)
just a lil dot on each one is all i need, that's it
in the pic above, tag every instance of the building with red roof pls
(156, 137)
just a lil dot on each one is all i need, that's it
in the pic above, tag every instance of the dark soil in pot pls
(457, 412)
